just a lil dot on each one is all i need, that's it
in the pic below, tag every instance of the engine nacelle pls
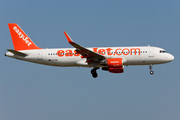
(114, 62)
(114, 65)
(116, 70)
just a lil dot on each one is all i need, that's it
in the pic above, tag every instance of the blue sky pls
(32, 91)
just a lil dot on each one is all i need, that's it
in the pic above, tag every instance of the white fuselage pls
(67, 57)
(110, 59)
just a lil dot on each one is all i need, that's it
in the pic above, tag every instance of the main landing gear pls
(94, 73)
(150, 67)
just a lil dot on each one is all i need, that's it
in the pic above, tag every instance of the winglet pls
(69, 38)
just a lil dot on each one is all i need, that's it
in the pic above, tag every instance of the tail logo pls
(24, 38)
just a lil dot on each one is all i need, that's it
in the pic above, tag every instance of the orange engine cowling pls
(114, 65)
(116, 70)
(114, 62)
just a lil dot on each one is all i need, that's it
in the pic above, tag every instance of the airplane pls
(112, 59)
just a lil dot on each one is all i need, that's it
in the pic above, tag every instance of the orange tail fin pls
(20, 40)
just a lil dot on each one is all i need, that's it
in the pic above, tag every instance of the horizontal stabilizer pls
(17, 52)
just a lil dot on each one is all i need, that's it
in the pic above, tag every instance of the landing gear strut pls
(94, 73)
(150, 67)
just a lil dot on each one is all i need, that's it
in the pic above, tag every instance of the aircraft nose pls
(170, 57)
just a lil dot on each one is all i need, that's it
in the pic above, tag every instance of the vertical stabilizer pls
(20, 40)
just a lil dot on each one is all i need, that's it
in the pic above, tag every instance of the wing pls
(86, 53)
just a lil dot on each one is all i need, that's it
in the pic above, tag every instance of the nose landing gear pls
(150, 67)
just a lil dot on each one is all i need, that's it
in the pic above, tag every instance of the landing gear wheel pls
(151, 72)
(94, 73)
(150, 67)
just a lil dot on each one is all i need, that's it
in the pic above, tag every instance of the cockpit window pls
(162, 51)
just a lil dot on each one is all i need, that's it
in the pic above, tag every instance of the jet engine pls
(113, 65)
